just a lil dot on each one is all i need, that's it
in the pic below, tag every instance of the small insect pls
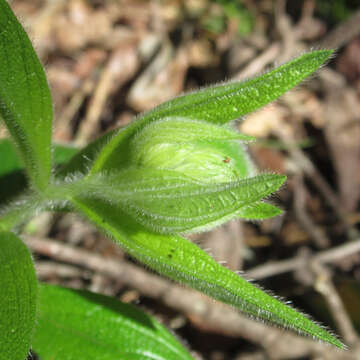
(226, 160)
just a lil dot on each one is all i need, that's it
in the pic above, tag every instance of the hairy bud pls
(197, 149)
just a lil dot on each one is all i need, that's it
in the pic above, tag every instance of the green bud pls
(197, 149)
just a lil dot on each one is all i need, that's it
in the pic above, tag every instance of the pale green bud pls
(203, 151)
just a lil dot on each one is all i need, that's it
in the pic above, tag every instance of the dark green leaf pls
(10, 161)
(11, 186)
(80, 325)
(18, 286)
(25, 101)
(181, 260)
(9, 158)
(12, 178)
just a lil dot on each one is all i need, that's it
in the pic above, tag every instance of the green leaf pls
(182, 130)
(80, 325)
(9, 158)
(25, 100)
(10, 161)
(217, 104)
(64, 153)
(167, 202)
(18, 286)
(183, 261)
(258, 211)
(12, 179)
(222, 103)
(11, 186)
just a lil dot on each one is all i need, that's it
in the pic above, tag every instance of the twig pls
(41, 24)
(343, 33)
(286, 31)
(63, 124)
(49, 269)
(308, 167)
(304, 219)
(324, 285)
(258, 64)
(120, 68)
(323, 257)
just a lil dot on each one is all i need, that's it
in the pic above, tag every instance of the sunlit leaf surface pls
(81, 325)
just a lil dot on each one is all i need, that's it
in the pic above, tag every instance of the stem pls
(19, 211)
(33, 203)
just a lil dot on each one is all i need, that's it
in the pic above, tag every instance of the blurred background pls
(109, 60)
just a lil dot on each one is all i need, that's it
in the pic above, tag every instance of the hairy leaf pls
(167, 202)
(217, 104)
(207, 161)
(201, 150)
(258, 211)
(182, 130)
(25, 100)
(18, 286)
(181, 260)
(80, 325)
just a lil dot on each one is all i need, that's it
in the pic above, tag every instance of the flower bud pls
(197, 149)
